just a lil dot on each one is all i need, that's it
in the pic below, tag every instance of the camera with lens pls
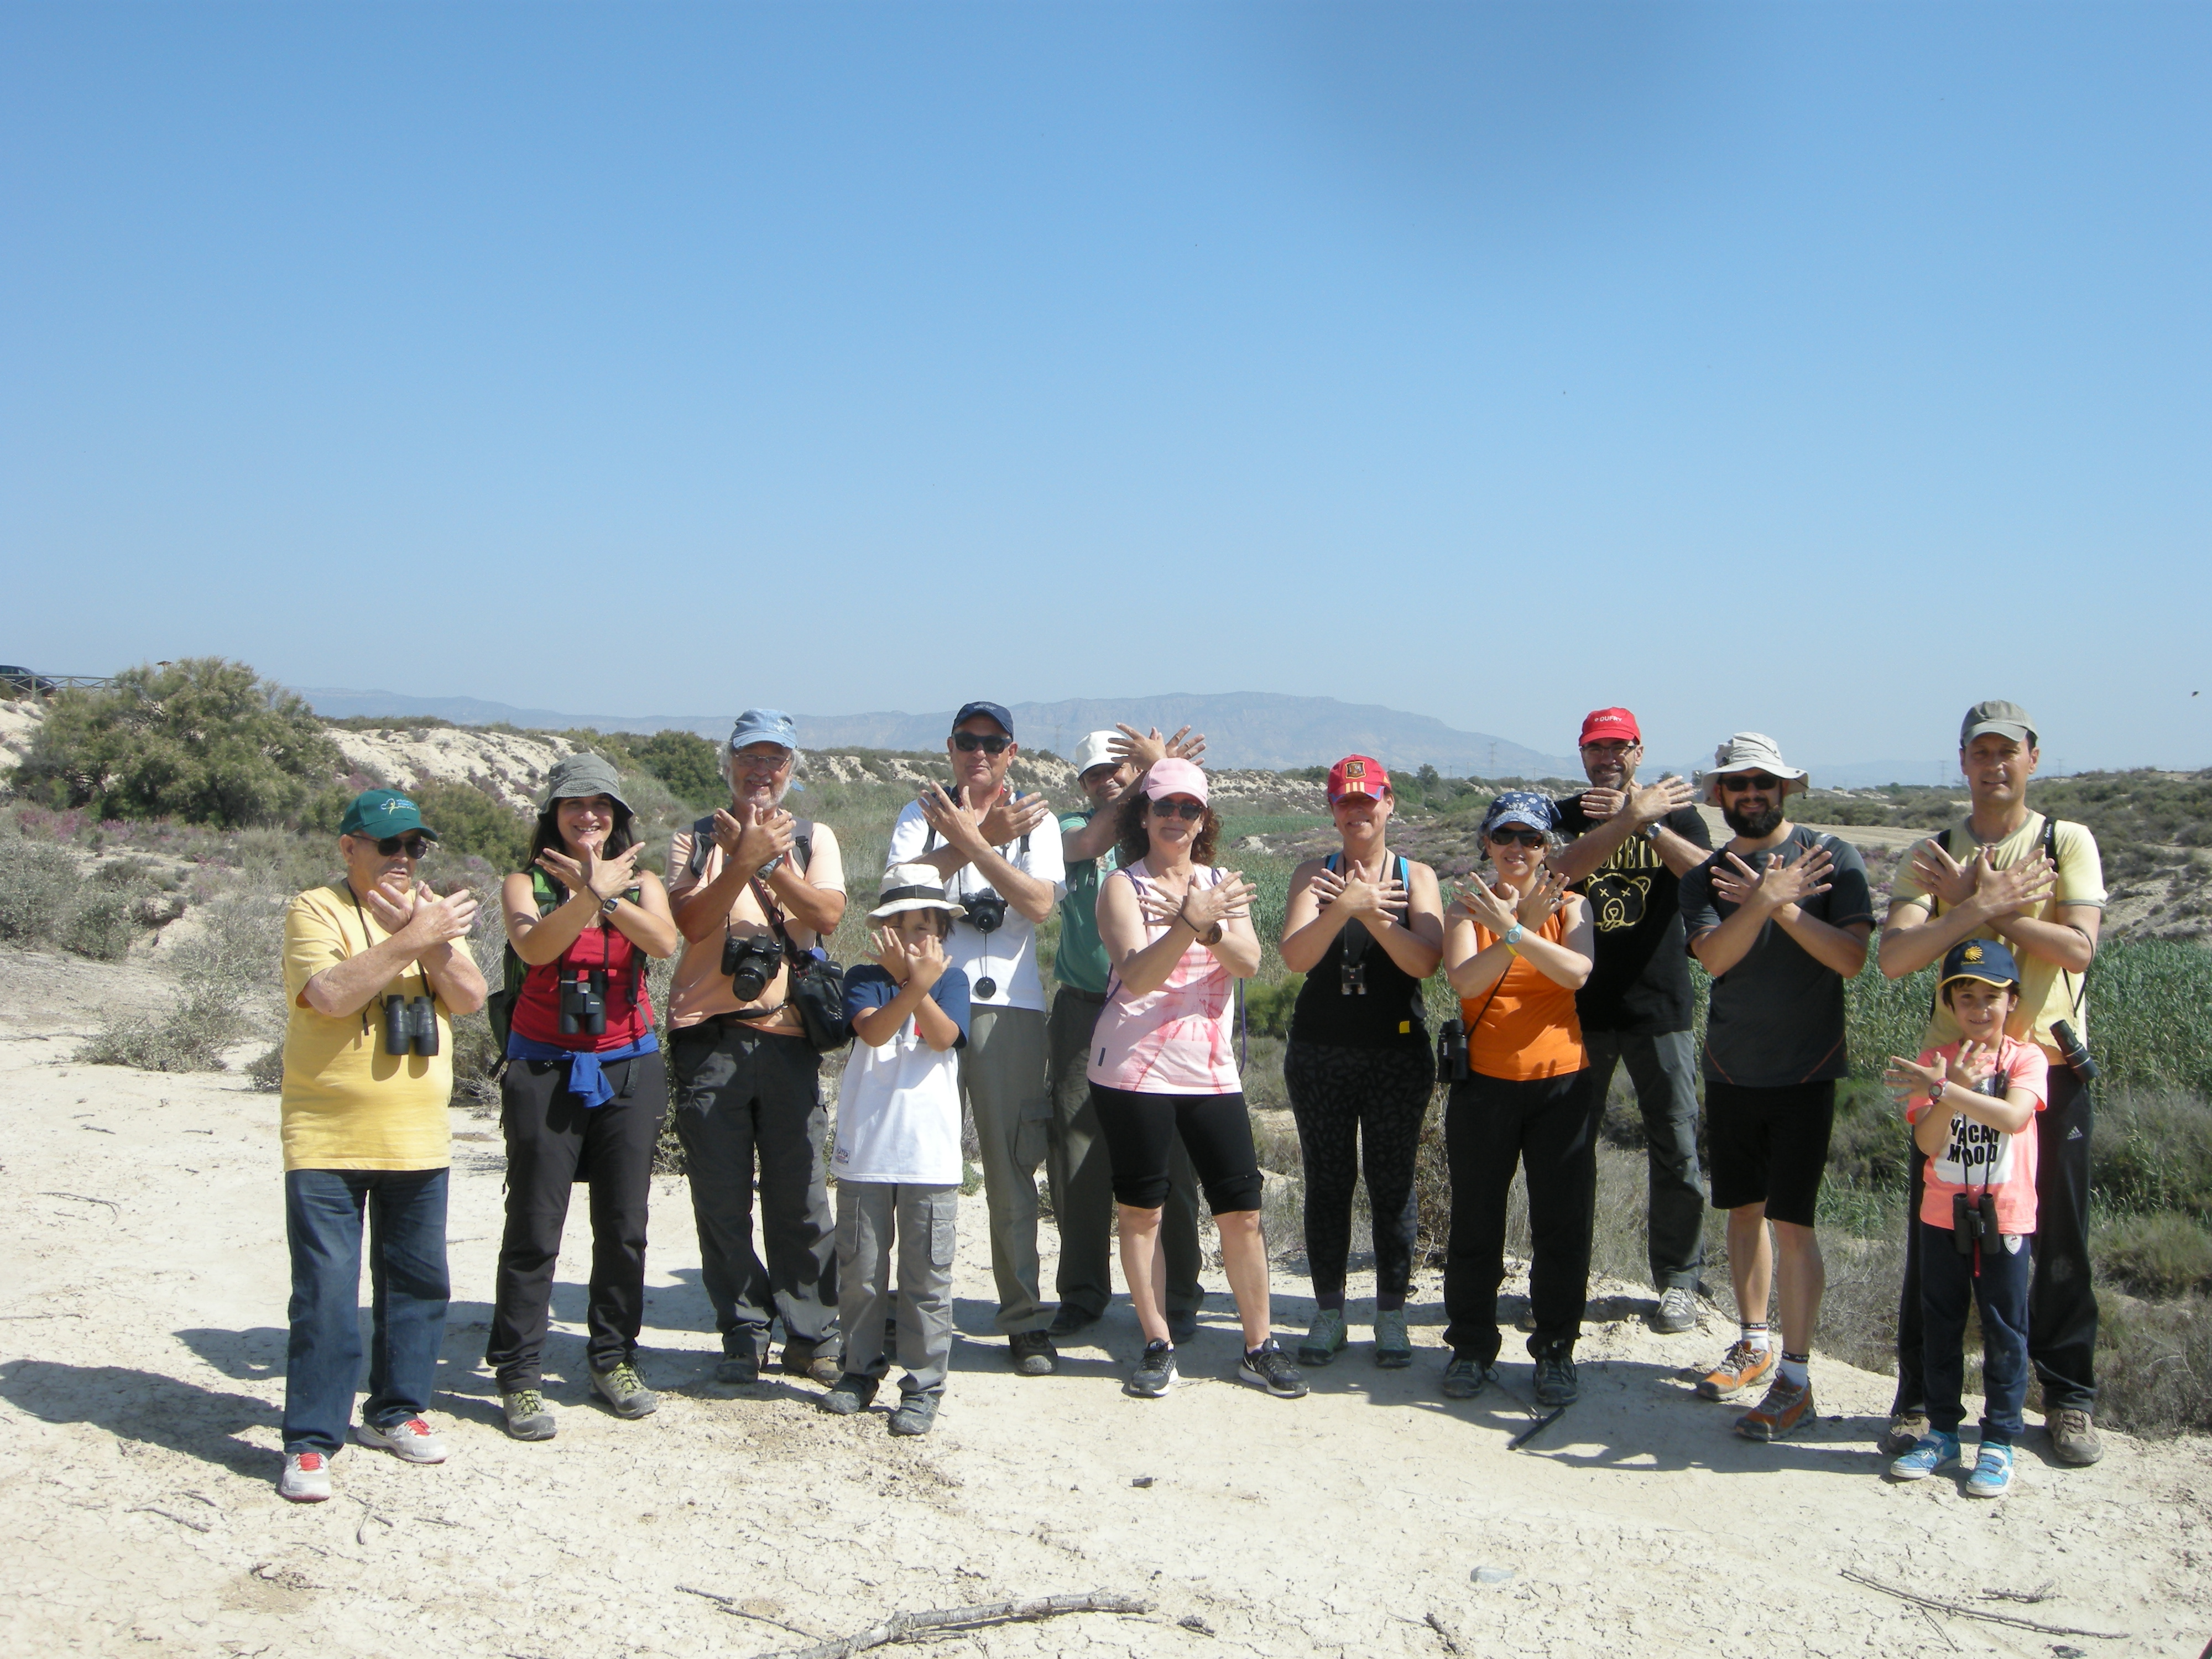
(1973, 1220)
(985, 911)
(2073, 1050)
(750, 962)
(583, 1003)
(1451, 1051)
(410, 1025)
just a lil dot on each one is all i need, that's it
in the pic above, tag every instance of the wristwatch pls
(609, 906)
(1649, 831)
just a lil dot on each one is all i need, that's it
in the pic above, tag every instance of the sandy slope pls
(139, 1390)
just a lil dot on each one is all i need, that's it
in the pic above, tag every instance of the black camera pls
(410, 1025)
(985, 911)
(750, 961)
(1973, 1220)
(583, 1003)
(2073, 1050)
(1451, 1051)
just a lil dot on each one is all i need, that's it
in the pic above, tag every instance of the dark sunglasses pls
(1510, 837)
(968, 742)
(1186, 810)
(415, 846)
(1736, 782)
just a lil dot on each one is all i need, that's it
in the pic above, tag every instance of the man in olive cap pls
(374, 973)
(2007, 873)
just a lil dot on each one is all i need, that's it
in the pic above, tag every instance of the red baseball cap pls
(1357, 775)
(1602, 723)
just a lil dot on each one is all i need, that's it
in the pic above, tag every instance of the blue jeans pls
(1997, 1280)
(322, 1210)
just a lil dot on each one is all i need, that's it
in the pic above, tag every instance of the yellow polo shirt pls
(347, 1104)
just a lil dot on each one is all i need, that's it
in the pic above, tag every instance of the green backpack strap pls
(499, 1007)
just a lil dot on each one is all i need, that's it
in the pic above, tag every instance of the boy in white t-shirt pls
(1972, 1106)
(898, 1153)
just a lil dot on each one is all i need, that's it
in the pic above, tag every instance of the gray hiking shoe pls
(1677, 1310)
(1906, 1429)
(2074, 1436)
(1555, 1378)
(916, 1414)
(526, 1416)
(853, 1392)
(1466, 1377)
(624, 1391)
(1324, 1339)
(1394, 1349)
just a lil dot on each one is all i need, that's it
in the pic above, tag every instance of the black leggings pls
(1216, 1132)
(1359, 1110)
(553, 1141)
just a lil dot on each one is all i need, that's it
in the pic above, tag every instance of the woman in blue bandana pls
(584, 1090)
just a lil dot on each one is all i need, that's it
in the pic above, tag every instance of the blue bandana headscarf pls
(1523, 806)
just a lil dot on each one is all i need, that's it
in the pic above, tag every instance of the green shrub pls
(2154, 1365)
(2166, 1253)
(687, 762)
(1268, 1003)
(203, 739)
(2146, 1001)
(2154, 1151)
(471, 822)
(104, 926)
(267, 1072)
(39, 890)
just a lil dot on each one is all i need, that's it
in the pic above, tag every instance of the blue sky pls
(1815, 369)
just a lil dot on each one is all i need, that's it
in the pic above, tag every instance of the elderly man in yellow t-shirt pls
(373, 978)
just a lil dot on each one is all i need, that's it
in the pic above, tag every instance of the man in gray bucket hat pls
(1780, 918)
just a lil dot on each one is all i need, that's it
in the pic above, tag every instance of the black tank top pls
(1388, 1015)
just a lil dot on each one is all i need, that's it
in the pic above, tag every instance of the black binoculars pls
(1973, 1220)
(583, 1003)
(1351, 978)
(1451, 1051)
(984, 911)
(410, 1025)
(2073, 1050)
(750, 962)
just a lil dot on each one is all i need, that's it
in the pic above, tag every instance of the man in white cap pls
(998, 854)
(753, 888)
(1780, 917)
(1107, 765)
(2007, 873)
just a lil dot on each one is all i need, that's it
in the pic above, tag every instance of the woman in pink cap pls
(1365, 928)
(1177, 933)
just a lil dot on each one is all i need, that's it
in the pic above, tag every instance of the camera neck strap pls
(368, 943)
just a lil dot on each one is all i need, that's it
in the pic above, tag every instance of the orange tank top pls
(1524, 1026)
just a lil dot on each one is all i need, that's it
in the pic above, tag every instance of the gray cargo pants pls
(1002, 1076)
(1664, 1066)
(874, 1217)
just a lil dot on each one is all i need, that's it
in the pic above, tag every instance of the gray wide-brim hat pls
(911, 887)
(1752, 751)
(581, 775)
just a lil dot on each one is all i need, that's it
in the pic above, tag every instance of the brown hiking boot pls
(1742, 1368)
(1904, 1432)
(2074, 1438)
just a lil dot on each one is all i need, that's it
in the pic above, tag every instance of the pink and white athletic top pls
(1975, 1156)
(1174, 1041)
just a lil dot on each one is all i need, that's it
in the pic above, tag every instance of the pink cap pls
(1357, 775)
(1172, 776)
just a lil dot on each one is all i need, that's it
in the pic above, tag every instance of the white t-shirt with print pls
(1008, 955)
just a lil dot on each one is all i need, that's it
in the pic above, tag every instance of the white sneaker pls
(306, 1478)
(410, 1440)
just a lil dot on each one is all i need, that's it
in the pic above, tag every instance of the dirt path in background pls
(140, 1388)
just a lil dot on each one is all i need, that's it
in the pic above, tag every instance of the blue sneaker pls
(1992, 1475)
(1935, 1449)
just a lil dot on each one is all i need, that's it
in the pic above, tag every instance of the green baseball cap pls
(379, 813)
(2007, 719)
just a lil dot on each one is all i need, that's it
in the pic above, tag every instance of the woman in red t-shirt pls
(1515, 951)
(584, 1091)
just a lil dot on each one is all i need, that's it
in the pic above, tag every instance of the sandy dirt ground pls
(141, 1355)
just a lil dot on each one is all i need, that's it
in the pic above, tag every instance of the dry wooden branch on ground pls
(1449, 1637)
(181, 1520)
(1983, 1613)
(903, 1626)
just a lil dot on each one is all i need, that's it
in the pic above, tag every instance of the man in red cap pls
(1631, 846)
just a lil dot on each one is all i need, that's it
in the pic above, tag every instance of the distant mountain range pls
(1242, 728)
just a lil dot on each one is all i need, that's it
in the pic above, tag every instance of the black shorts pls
(1768, 1144)
(1216, 1131)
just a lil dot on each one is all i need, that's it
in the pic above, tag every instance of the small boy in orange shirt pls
(1972, 1106)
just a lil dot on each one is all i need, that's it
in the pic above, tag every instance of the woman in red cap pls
(1178, 934)
(1365, 928)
